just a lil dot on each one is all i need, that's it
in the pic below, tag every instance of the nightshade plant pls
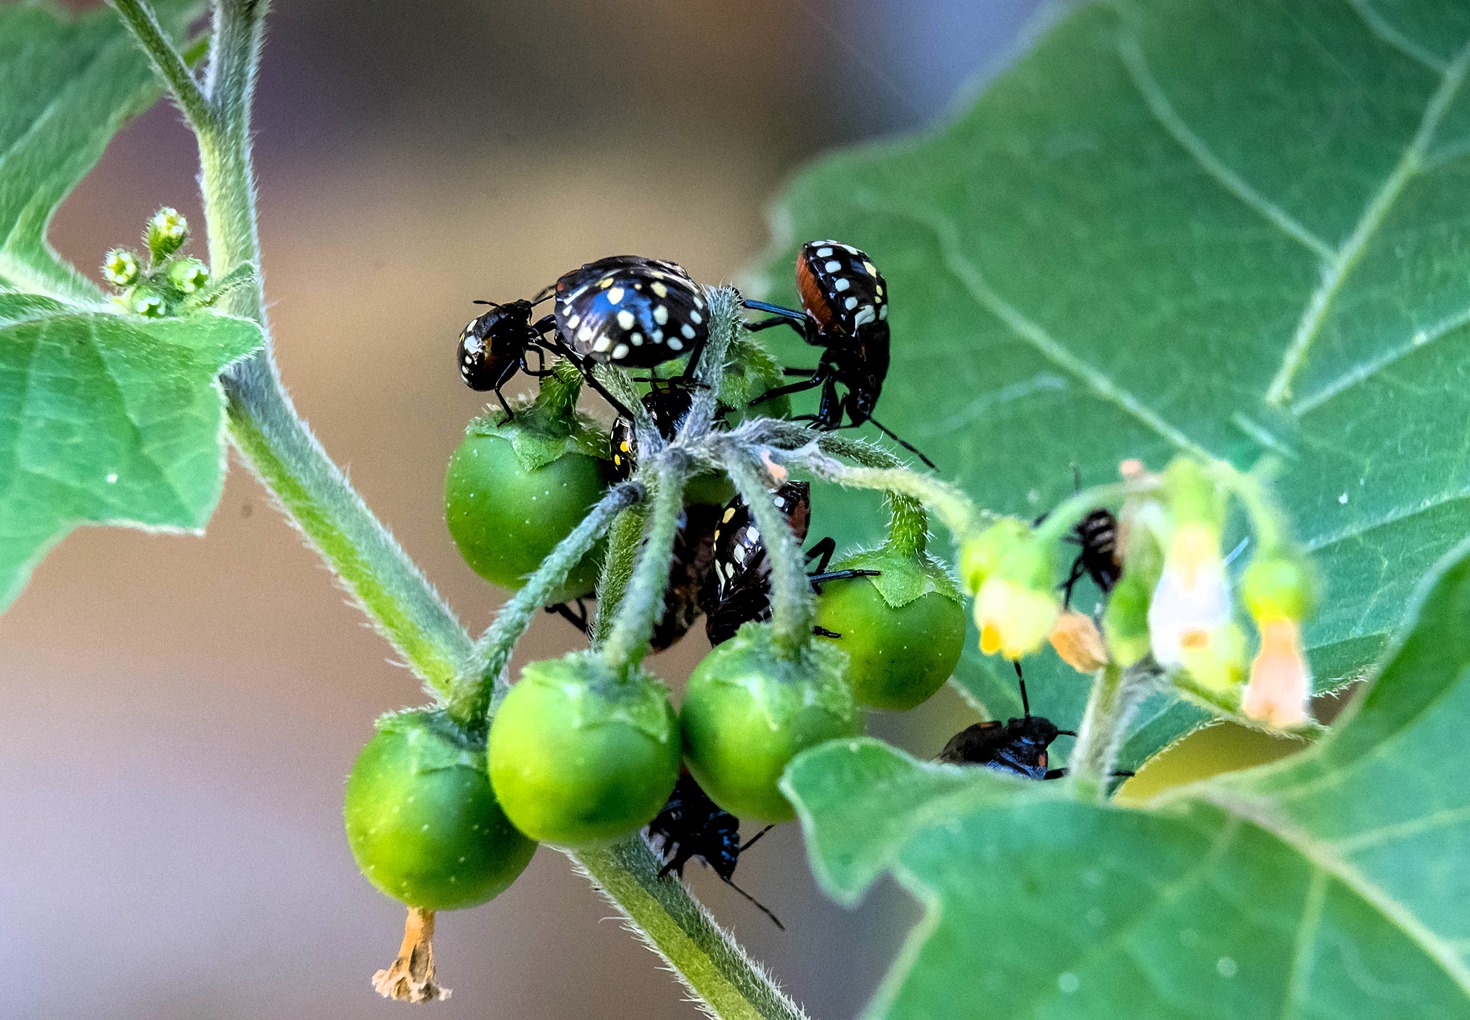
(1215, 255)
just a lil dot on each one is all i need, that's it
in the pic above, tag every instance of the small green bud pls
(188, 275)
(120, 268)
(1193, 497)
(148, 303)
(166, 234)
(982, 555)
(1278, 586)
(1012, 576)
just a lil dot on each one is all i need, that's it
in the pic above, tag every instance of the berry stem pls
(792, 612)
(483, 679)
(1115, 696)
(624, 539)
(632, 627)
(673, 924)
(169, 64)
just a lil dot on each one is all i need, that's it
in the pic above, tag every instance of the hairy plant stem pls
(319, 500)
(1115, 696)
(627, 642)
(469, 701)
(709, 962)
(170, 65)
(792, 606)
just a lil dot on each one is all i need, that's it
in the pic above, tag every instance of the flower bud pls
(1280, 687)
(1012, 574)
(1278, 591)
(982, 554)
(148, 303)
(166, 234)
(1076, 639)
(120, 268)
(188, 275)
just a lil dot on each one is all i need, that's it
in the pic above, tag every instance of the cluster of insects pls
(631, 312)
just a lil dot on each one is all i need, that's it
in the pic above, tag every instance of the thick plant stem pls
(632, 627)
(1116, 695)
(483, 676)
(792, 613)
(673, 924)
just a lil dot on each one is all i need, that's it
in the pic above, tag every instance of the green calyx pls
(547, 426)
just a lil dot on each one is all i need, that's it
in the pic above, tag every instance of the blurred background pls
(180, 712)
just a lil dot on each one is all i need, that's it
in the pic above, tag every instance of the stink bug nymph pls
(493, 347)
(739, 588)
(844, 302)
(692, 826)
(632, 312)
(1096, 535)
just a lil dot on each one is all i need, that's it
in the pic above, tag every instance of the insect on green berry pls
(422, 819)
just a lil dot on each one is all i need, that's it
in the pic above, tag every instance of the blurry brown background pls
(179, 713)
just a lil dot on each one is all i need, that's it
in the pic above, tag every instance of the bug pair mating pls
(625, 310)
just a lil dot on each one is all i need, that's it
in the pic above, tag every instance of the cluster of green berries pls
(170, 283)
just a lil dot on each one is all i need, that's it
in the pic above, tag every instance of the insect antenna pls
(492, 304)
(758, 904)
(1025, 702)
(910, 447)
(751, 841)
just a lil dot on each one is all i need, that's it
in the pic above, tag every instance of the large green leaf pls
(104, 418)
(1235, 227)
(1331, 885)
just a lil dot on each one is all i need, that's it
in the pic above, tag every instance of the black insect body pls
(689, 571)
(493, 347)
(1017, 746)
(692, 826)
(631, 312)
(668, 406)
(739, 588)
(845, 312)
(1097, 558)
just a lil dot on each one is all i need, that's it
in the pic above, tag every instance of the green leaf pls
(67, 84)
(107, 419)
(1332, 884)
(104, 418)
(1234, 227)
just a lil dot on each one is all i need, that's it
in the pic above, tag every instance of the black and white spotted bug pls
(739, 587)
(631, 311)
(668, 406)
(493, 347)
(844, 301)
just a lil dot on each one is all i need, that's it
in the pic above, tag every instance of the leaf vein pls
(1337, 269)
(1379, 26)
(1159, 105)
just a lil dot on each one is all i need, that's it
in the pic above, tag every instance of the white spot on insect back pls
(842, 284)
(603, 343)
(661, 314)
(755, 535)
(824, 251)
(695, 317)
(833, 266)
(675, 344)
(870, 269)
(625, 319)
(620, 352)
(883, 312)
(615, 295)
(635, 338)
(687, 330)
(584, 335)
(867, 315)
(659, 289)
(850, 303)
